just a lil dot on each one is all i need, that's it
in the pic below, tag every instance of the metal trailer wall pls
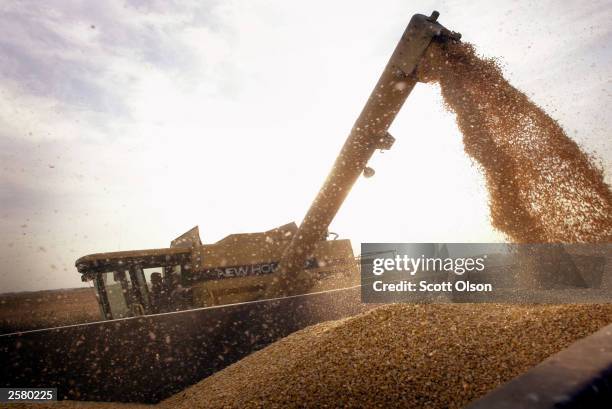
(577, 377)
(147, 359)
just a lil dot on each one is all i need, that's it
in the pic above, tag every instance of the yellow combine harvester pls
(241, 267)
(284, 261)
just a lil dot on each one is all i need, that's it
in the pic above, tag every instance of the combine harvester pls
(213, 304)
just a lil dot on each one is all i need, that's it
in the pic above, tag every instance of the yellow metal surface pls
(244, 249)
(337, 269)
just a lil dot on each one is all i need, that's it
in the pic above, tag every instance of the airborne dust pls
(542, 188)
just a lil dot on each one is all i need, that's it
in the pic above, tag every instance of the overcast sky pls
(125, 123)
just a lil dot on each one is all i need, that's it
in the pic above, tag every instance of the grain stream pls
(543, 188)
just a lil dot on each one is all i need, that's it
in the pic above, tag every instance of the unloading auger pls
(369, 133)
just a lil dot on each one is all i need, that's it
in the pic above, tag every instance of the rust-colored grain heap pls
(411, 356)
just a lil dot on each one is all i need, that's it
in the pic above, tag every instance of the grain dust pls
(542, 187)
